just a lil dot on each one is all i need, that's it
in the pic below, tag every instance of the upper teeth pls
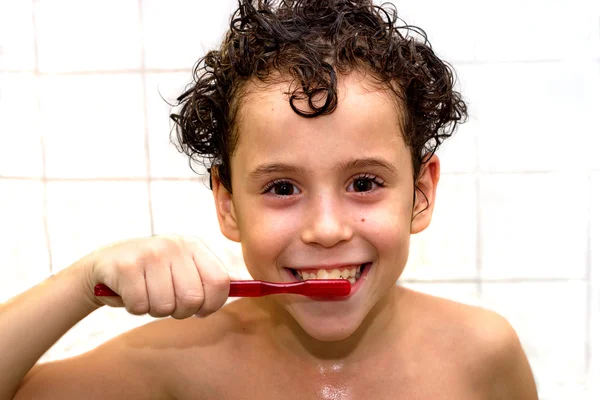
(352, 273)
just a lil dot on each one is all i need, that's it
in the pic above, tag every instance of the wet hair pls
(310, 42)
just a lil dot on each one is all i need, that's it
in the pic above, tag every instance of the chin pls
(328, 328)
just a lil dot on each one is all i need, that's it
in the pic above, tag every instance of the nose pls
(325, 222)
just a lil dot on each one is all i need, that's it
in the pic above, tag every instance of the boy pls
(320, 120)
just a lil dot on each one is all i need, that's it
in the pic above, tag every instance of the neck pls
(374, 335)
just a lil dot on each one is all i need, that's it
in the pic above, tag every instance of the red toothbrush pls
(311, 287)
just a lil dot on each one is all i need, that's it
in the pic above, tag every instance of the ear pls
(425, 194)
(225, 208)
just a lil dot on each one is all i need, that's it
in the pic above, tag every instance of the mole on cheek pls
(362, 219)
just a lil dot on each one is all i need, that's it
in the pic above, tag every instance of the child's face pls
(321, 192)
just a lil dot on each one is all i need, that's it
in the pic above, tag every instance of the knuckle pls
(163, 245)
(137, 308)
(163, 309)
(193, 297)
(192, 243)
(128, 268)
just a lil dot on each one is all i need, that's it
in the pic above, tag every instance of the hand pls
(164, 275)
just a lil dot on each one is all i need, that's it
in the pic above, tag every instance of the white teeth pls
(352, 274)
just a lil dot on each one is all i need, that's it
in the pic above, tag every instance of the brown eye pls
(362, 185)
(283, 189)
(365, 183)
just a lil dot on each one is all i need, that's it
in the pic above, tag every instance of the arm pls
(159, 276)
(33, 321)
(114, 370)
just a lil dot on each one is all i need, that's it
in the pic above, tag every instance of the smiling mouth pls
(351, 272)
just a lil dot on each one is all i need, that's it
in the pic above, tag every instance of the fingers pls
(214, 277)
(189, 293)
(159, 284)
(132, 288)
(163, 276)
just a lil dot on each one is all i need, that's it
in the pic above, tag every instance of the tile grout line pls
(186, 69)
(492, 280)
(588, 278)
(192, 178)
(521, 61)
(44, 180)
(478, 239)
(478, 212)
(132, 71)
(107, 179)
(145, 106)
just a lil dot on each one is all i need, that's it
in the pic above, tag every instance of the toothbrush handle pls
(311, 287)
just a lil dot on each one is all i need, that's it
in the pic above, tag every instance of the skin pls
(383, 341)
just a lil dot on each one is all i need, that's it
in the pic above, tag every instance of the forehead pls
(366, 122)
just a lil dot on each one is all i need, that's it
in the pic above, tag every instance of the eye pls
(365, 183)
(281, 188)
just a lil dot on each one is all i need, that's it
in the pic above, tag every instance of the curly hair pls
(310, 42)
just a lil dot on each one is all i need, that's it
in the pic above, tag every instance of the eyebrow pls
(264, 170)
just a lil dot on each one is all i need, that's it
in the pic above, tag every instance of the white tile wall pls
(23, 249)
(459, 153)
(534, 225)
(165, 160)
(446, 250)
(177, 33)
(550, 318)
(100, 326)
(77, 35)
(20, 141)
(593, 140)
(17, 46)
(187, 208)
(455, 17)
(594, 331)
(83, 76)
(536, 116)
(93, 126)
(83, 216)
(537, 30)
(466, 293)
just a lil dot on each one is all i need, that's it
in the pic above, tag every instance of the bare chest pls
(384, 381)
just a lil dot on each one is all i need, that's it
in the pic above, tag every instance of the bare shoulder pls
(482, 342)
(194, 356)
(148, 362)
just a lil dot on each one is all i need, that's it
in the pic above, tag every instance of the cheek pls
(388, 228)
(264, 236)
